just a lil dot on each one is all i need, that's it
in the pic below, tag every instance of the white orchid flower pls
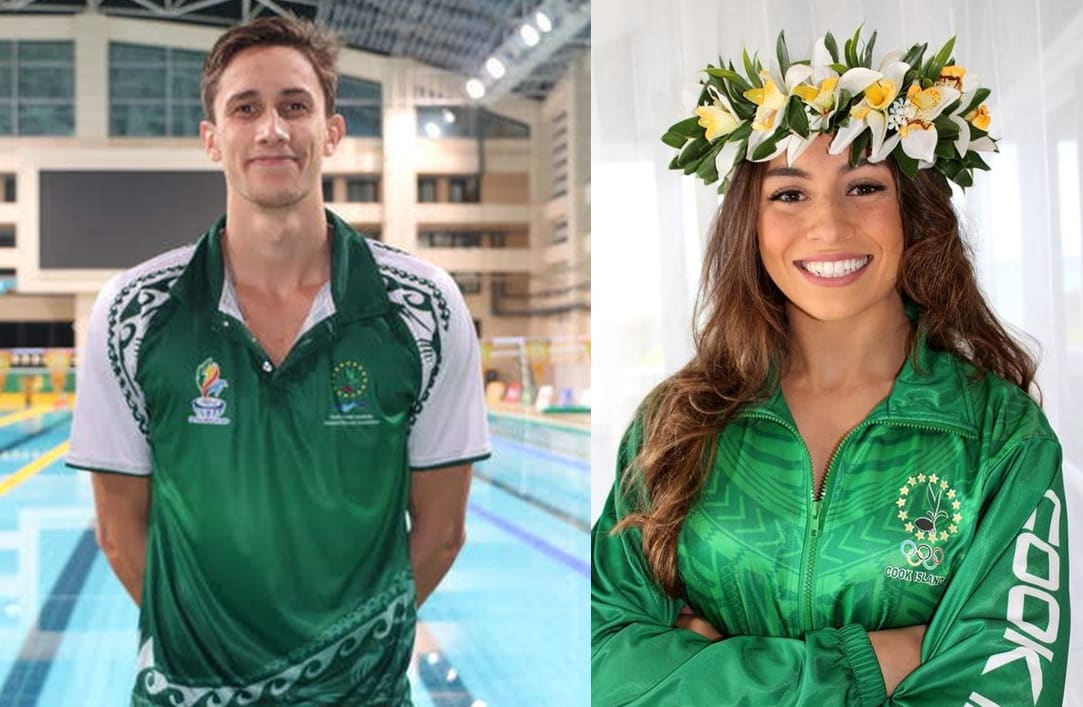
(770, 101)
(981, 120)
(880, 92)
(728, 156)
(952, 76)
(819, 86)
(822, 91)
(913, 117)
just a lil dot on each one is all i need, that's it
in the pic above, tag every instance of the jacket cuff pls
(858, 651)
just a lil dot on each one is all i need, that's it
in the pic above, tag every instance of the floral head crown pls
(919, 113)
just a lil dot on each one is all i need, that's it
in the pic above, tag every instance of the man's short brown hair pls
(319, 45)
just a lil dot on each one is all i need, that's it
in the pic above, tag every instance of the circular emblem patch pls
(349, 380)
(930, 513)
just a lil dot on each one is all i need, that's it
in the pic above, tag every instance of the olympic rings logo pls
(925, 555)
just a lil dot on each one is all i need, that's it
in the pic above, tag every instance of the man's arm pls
(122, 503)
(437, 515)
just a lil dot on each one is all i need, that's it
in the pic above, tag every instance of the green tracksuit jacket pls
(944, 507)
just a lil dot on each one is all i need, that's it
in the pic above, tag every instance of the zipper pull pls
(815, 518)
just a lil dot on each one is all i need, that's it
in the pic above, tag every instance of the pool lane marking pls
(12, 480)
(558, 513)
(36, 411)
(534, 541)
(541, 421)
(25, 680)
(543, 454)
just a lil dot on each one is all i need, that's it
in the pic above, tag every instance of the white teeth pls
(834, 268)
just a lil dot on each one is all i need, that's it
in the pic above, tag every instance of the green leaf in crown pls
(349, 381)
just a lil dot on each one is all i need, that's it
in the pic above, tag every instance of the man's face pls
(270, 132)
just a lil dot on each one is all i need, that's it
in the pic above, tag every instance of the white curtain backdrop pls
(1024, 218)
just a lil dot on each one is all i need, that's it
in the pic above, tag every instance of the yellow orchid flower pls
(980, 117)
(770, 101)
(880, 89)
(915, 116)
(822, 97)
(951, 76)
(717, 120)
(926, 99)
(880, 94)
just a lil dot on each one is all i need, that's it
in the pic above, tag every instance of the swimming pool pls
(508, 626)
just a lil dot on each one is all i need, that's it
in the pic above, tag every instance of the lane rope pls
(12, 480)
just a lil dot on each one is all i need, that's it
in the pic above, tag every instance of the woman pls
(847, 496)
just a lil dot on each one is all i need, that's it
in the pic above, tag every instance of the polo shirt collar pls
(356, 289)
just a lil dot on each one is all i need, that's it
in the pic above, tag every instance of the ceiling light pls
(529, 35)
(449, 117)
(475, 88)
(544, 23)
(495, 67)
(432, 130)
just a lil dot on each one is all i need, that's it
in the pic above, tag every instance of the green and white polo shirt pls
(277, 558)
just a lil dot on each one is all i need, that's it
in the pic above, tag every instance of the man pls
(268, 406)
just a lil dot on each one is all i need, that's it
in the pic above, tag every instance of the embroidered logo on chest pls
(209, 408)
(349, 382)
(351, 391)
(929, 512)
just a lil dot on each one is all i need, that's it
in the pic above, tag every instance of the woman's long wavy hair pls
(741, 345)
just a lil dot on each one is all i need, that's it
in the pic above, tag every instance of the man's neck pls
(277, 251)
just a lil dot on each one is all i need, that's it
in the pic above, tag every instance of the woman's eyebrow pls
(787, 172)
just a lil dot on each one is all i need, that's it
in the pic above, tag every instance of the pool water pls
(509, 625)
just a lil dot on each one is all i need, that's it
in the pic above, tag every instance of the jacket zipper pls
(812, 525)
(816, 513)
(815, 526)
(817, 507)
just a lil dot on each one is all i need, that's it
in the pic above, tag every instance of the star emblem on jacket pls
(929, 508)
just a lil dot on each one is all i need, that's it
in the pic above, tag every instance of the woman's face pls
(830, 235)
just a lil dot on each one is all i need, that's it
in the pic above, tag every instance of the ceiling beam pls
(519, 63)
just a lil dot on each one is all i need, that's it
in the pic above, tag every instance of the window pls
(37, 88)
(154, 91)
(469, 282)
(361, 103)
(36, 334)
(362, 189)
(353, 188)
(560, 231)
(498, 126)
(464, 239)
(426, 190)
(462, 121)
(463, 190)
(9, 188)
(7, 238)
(450, 239)
(446, 121)
(454, 189)
(368, 231)
(559, 162)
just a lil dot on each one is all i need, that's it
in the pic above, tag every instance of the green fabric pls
(794, 583)
(277, 560)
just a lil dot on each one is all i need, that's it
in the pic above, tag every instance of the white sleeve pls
(451, 426)
(109, 429)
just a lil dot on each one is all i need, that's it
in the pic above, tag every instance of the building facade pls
(98, 123)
